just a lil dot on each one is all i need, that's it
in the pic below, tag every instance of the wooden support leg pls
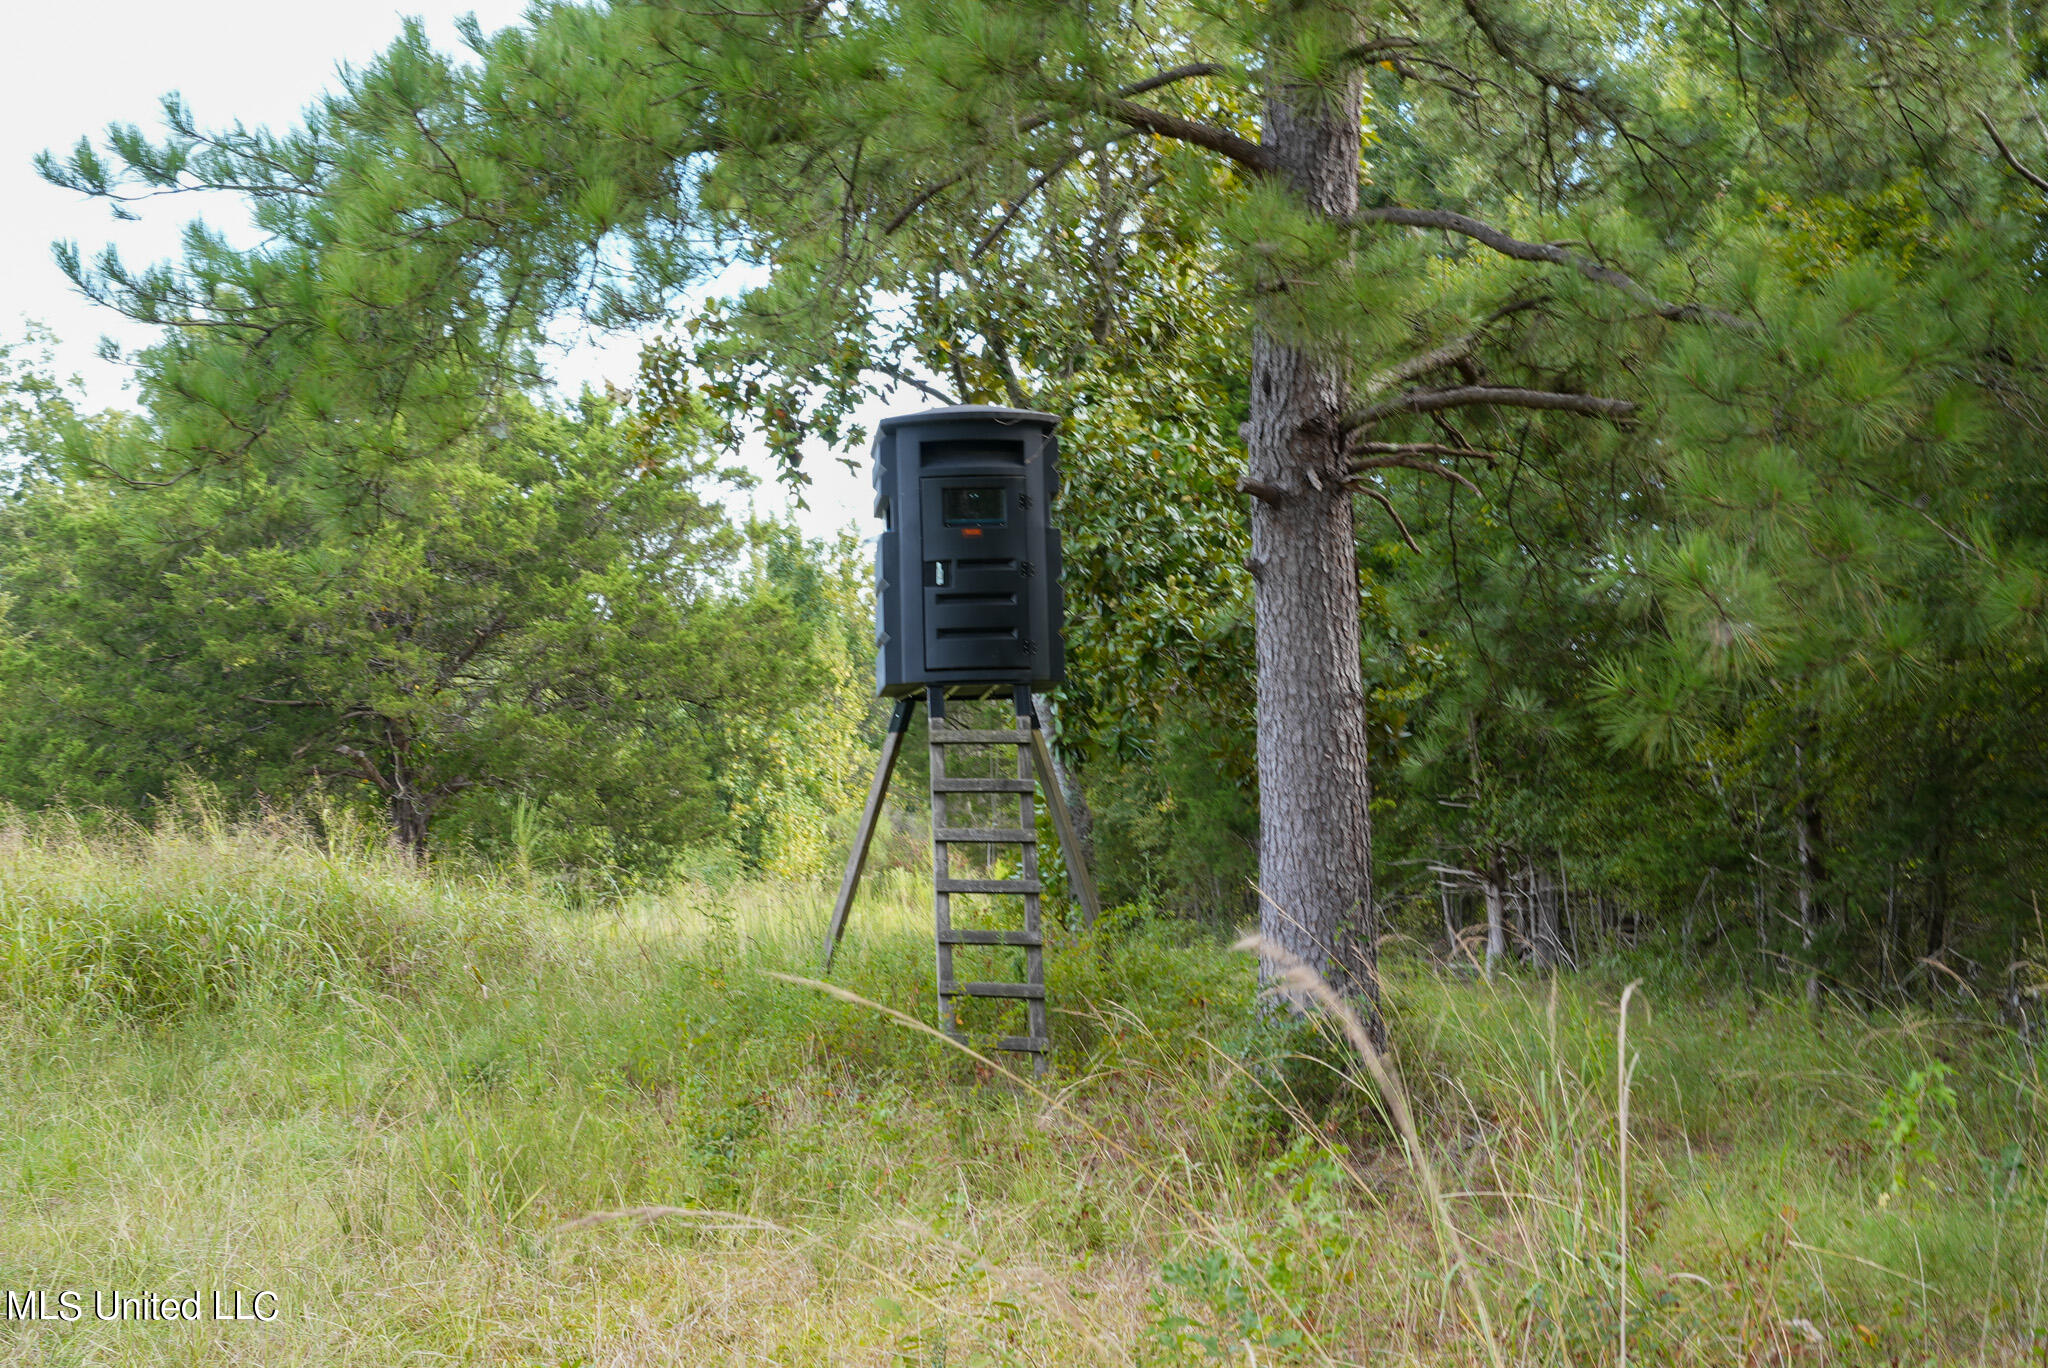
(1034, 953)
(1078, 876)
(857, 858)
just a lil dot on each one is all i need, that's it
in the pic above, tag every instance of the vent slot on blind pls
(979, 451)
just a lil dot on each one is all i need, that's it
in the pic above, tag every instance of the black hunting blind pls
(967, 607)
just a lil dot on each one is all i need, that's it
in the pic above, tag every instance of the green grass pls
(240, 1059)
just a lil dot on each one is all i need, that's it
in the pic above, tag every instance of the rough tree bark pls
(1315, 837)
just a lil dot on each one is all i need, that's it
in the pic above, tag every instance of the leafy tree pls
(793, 780)
(534, 611)
(1782, 613)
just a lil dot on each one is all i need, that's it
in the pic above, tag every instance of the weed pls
(1912, 1121)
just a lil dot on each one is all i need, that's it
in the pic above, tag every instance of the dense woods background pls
(1732, 645)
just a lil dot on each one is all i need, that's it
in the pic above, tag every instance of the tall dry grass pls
(196, 912)
(445, 1118)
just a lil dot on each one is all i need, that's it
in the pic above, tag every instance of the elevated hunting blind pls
(967, 569)
(968, 607)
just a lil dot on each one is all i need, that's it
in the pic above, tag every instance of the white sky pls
(70, 69)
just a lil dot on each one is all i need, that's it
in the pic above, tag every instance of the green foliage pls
(792, 779)
(35, 407)
(1912, 1122)
(949, 194)
(1794, 604)
(1176, 824)
(1251, 1290)
(540, 614)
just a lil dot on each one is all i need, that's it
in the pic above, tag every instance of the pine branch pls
(1449, 354)
(1250, 155)
(931, 192)
(2032, 178)
(1467, 91)
(1038, 182)
(1436, 358)
(1511, 43)
(1503, 396)
(1171, 75)
(1417, 449)
(1037, 121)
(1399, 526)
(898, 374)
(1377, 48)
(1485, 233)
(1442, 472)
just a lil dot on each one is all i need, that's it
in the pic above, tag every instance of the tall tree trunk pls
(1813, 874)
(409, 809)
(1938, 845)
(1496, 929)
(409, 825)
(1937, 898)
(1315, 837)
(1891, 923)
(1546, 940)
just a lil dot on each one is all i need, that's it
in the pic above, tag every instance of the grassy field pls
(456, 1121)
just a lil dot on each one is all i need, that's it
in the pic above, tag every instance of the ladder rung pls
(1021, 1044)
(986, 835)
(992, 990)
(966, 736)
(989, 886)
(983, 786)
(955, 936)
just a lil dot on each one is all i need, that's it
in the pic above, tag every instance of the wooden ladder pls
(973, 792)
(1034, 758)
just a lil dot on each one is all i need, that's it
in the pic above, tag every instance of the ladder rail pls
(976, 802)
(942, 900)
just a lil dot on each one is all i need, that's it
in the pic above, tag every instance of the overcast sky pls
(70, 69)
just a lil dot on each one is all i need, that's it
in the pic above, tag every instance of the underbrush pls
(609, 1136)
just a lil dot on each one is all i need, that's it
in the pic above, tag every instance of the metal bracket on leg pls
(857, 858)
